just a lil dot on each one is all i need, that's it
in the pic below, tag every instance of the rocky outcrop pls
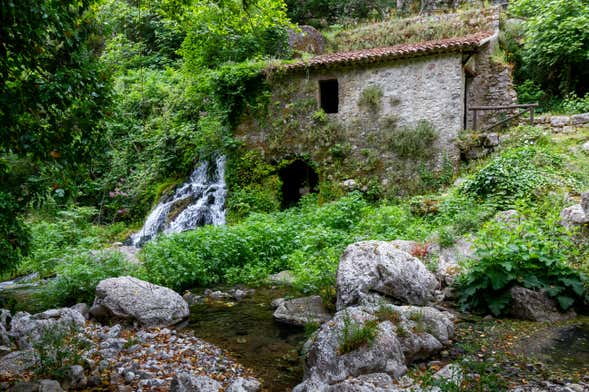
(130, 299)
(536, 306)
(301, 311)
(327, 365)
(402, 334)
(377, 267)
(27, 329)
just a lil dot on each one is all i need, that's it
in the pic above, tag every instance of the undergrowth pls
(356, 335)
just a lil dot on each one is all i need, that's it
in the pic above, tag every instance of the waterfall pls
(199, 201)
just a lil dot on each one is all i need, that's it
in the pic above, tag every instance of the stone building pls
(385, 118)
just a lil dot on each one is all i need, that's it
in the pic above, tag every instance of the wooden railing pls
(526, 108)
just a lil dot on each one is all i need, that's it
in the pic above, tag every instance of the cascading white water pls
(199, 201)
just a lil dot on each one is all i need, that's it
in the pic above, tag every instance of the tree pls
(52, 91)
(556, 47)
(222, 31)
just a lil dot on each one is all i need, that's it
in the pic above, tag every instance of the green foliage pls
(356, 335)
(140, 36)
(306, 239)
(573, 104)
(371, 99)
(234, 31)
(79, 274)
(556, 46)
(515, 174)
(387, 313)
(529, 92)
(58, 349)
(14, 235)
(414, 142)
(53, 92)
(67, 233)
(317, 12)
(532, 254)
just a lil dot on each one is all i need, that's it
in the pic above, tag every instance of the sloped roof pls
(377, 55)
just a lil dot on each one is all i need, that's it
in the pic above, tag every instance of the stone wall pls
(489, 81)
(564, 124)
(355, 143)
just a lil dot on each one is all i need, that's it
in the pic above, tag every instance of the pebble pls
(152, 364)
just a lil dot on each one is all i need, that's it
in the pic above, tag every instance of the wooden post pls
(532, 116)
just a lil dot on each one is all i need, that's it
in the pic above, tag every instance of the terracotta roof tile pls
(375, 55)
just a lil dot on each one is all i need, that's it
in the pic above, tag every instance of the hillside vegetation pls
(109, 104)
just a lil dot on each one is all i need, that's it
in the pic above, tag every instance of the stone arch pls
(298, 179)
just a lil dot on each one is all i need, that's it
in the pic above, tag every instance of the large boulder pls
(130, 299)
(17, 362)
(402, 334)
(27, 329)
(533, 305)
(371, 267)
(301, 311)
(326, 365)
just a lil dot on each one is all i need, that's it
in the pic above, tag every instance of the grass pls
(386, 313)
(356, 335)
(410, 30)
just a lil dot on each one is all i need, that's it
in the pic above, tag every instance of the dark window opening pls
(329, 95)
(298, 179)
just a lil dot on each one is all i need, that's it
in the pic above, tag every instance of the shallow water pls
(565, 347)
(247, 330)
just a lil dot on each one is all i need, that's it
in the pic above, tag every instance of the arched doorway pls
(298, 179)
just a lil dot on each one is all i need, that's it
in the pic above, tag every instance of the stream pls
(248, 331)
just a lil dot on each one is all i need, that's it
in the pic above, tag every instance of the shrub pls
(14, 235)
(574, 104)
(371, 99)
(556, 42)
(355, 335)
(516, 174)
(58, 349)
(78, 276)
(532, 254)
(386, 313)
(414, 142)
(67, 233)
(529, 92)
(234, 32)
(307, 239)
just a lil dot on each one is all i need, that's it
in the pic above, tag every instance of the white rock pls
(131, 299)
(244, 385)
(378, 267)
